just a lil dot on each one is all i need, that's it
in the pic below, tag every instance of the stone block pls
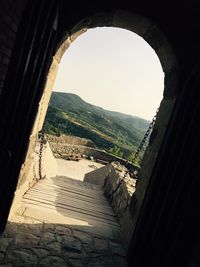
(4, 243)
(2, 255)
(63, 230)
(48, 227)
(26, 239)
(76, 263)
(117, 249)
(71, 244)
(101, 261)
(22, 256)
(41, 252)
(85, 239)
(55, 247)
(120, 261)
(132, 22)
(53, 261)
(171, 83)
(167, 57)
(47, 237)
(100, 244)
(155, 37)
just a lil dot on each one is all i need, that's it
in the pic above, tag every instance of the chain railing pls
(41, 139)
(145, 137)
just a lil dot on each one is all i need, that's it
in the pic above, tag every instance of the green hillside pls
(115, 132)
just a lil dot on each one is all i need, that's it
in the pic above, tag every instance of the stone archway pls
(156, 39)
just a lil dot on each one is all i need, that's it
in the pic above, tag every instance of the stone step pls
(54, 217)
(70, 212)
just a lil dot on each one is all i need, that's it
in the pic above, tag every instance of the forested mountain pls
(115, 132)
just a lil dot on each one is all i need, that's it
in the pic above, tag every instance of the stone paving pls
(33, 243)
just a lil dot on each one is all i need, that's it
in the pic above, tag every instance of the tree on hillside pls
(116, 151)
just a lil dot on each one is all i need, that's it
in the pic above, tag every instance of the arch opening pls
(117, 70)
(147, 30)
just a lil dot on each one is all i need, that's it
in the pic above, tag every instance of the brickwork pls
(10, 14)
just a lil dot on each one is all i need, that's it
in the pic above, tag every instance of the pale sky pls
(115, 69)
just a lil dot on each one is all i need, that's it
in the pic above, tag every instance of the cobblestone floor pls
(34, 243)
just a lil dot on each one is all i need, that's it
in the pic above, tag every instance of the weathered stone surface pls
(155, 37)
(120, 261)
(74, 249)
(68, 139)
(59, 238)
(21, 256)
(55, 246)
(171, 82)
(53, 261)
(74, 255)
(135, 23)
(85, 239)
(47, 237)
(71, 244)
(4, 243)
(41, 252)
(35, 229)
(76, 263)
(2, 255)
(46, 244)
(26, 239)
(10, 230)
(119, 190)
(117, 249)
(100, 244)
(64, 150)
(63, 230)
(48, 227)
(101, 261)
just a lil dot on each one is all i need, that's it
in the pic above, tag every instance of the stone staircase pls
(63, 222)
(79, 205)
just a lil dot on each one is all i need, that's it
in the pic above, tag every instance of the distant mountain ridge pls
(113, 131)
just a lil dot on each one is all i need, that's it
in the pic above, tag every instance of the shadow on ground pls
(46, 244)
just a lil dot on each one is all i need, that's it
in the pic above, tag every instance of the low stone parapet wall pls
(119, 188)
(69, 139)
(63, 150)
(60, 149)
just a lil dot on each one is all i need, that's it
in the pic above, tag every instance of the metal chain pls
(119, 184)
(41, 138)
(145, 137)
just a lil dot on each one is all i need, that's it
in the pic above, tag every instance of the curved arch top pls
(129, 21)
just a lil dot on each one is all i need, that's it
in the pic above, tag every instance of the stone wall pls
(98, 176)
(69, 139)
(30, 172)
(119, 188)
(61, 149)
(65, 150)
(27, 177)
